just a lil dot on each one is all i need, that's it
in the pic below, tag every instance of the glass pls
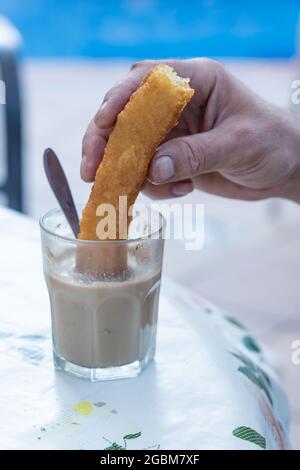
(104, 297)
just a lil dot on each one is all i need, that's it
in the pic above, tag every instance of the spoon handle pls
(61, 189)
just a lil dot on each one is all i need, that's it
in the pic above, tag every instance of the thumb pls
(188, 156)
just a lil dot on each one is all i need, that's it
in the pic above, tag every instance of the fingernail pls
(100, 117)
(162, 169)
(182, 188)
(84, 170)
(103, 105)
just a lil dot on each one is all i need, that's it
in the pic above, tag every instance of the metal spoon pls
(61, 189)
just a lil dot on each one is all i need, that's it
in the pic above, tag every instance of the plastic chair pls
(12, 186)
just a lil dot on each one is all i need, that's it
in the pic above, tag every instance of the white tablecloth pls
(210, 386)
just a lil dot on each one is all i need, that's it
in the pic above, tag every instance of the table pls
(210, 387)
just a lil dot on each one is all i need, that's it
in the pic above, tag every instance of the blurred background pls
(59, 57)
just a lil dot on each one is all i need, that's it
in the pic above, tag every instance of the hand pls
(228, 141)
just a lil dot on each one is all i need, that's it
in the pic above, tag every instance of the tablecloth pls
(210, 386)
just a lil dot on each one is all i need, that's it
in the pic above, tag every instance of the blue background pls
(155, 28)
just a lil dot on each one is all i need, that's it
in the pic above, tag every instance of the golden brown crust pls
(147, 118)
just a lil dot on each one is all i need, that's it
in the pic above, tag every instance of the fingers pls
(96, 136)
(189, 156)
(93, 146)
(202, 73)
(117, 97)
(167, 191)
(216, 184)
(115, 100)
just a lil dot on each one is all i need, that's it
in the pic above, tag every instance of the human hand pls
(228, 141)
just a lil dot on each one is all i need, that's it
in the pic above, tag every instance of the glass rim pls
(91, 242)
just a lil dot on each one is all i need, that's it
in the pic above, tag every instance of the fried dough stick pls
(149, 115)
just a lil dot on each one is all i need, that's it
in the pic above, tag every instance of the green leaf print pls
(249, 363)
(114, 446)
(132, 436)
(248, 434)
(234, 321)
(257, 380)
(255, 374)
(127, 437)
(251, 344)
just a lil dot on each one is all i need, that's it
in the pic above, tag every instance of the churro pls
(149, 115)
